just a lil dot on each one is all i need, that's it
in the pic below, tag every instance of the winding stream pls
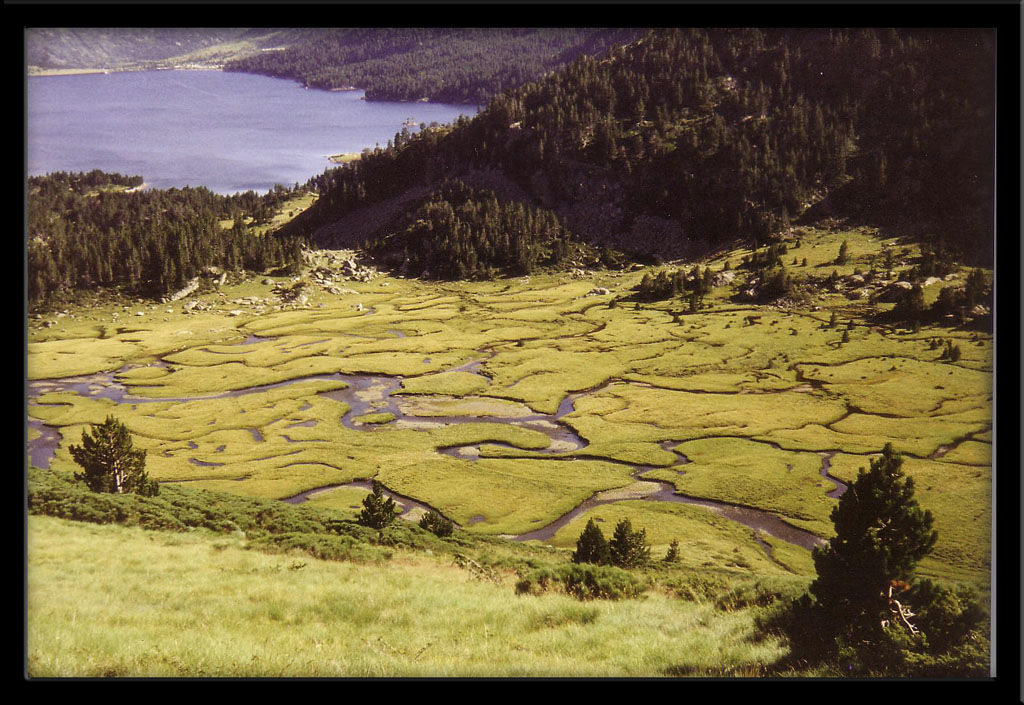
(373, 393)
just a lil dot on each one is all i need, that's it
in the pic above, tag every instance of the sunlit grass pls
(118, 602)
(749, 397)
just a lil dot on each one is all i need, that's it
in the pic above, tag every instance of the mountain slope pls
(688, 138)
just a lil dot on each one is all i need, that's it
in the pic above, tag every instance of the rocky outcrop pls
(190, 287)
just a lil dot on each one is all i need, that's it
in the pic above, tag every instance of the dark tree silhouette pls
(591, 547)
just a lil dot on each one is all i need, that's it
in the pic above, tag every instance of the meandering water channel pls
(374, 393)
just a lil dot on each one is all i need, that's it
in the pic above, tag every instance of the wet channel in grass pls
(373, 393)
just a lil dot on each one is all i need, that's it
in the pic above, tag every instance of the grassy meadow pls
(153, 604)
(754, 405)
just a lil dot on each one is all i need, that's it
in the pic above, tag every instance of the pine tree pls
(881, 534)
(437, 524)
(591, 546)
(672, 556)
(110, 461)
(378, 510)
(910, 306)
(628, 548)
(843, 253)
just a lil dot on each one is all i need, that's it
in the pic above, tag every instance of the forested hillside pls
(688, 138)
(89, 230)
(441, 65)
(461, 232)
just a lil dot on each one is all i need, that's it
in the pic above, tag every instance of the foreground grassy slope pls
(117, 601)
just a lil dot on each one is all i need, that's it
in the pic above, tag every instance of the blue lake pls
(229, 132)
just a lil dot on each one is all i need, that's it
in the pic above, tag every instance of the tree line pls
(82, 234)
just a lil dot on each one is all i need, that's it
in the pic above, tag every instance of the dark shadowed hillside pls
(442, 65)
(688, 138)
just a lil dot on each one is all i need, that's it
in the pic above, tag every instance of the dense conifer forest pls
(441, 65)
(87, 230)
(460, 232)
(692, 137)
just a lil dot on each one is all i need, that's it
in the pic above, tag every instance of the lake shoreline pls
(126, 122)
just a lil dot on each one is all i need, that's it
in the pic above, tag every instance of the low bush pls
(269, 524)
(326, 547)
(437, 524)
(582, 581)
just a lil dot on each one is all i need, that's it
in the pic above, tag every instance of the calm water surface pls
(229, 132)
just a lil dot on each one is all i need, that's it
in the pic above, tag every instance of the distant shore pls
(37, 71)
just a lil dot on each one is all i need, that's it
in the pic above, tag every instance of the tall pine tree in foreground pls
(866, 614)
(111, 462)
(881, 534)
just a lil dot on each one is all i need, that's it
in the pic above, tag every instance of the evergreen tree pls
(843, 253)
(378, 510)
(881, 534)
(975, 288)
(437, 524)
(628, 548)
(591, 546)
(111, 462)
(672, 556)
(910, 306)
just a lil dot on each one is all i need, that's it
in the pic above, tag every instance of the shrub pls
(331, 548)
(437, 524)
(672, 556)
(589, 582)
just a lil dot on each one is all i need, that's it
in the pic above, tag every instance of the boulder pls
(190, 287)
(724, 278)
